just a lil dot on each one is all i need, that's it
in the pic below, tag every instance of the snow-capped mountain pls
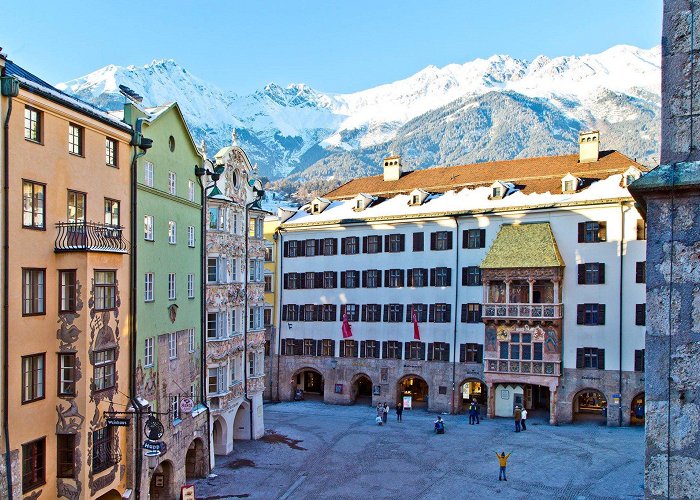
(485, 109)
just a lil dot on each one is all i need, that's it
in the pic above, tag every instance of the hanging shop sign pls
(153, 429)
(155, 446)
(186, 405)
(187, 492)
(118, 422)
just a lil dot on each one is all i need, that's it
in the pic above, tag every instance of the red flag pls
(416, 331)
(347, 329)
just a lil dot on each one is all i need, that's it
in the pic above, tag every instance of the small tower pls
(589, 146)
(392, 168)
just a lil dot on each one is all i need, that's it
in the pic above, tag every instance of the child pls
(502, 461)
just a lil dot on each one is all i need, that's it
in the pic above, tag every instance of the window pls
(590, 357)
(190, 236)
(33, 292)
(105, 290)
(330, 279)
(290, 312)
(309, 347)
(148, 174)
(75, 139)
(104, 369)
(103, 449)
(641, 229)
(350, 245)
(471, 313)
(33, 378)
(66, 291)
(174, 401)
(421, 311)
(216, 324)
(216, 219)
(328, 347)
(217, 380)
(521, 347)
(415, 350)
(471, 276)
(267, 317)
(148, 352)
(474, 238)
(268, 284)
(268, 254)
(148, 287)
(77, 205)
(172, 183)
(212, 270)
(441, 240)
(471, 353)
(417, 277)
(639, 360)
(391, 349)
(372, 278)
(590, 314)
(33, 205)
(349, 279)
(148, 227)
(372, 244)
(394, 278)
(640, 317)
(172, 345)
(111, 212)
(190, 286)
(439, 351)
(371, 312)
(190, 191)
(111, 152)
(32, 124)
(172, 293)
(65, 455)
(172, 232)
(348, 349)
(256, 227)
(441, 276)
(352, 310)
(592, 232)
(255, 318)
(256, 269)
(496, 193)
(591, 274)
(395, 243)
(439, 313)
(418, 242)
(330, 246)
(393, 313)
(232, 320)
(33, 464)
(66, 374)
(569, 186)
(369, 349)
(310, 247)
(641, 272)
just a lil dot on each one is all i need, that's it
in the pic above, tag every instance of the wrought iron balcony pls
(89, 236)
(521, 311)
(547, 368)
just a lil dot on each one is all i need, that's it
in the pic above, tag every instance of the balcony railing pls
(522, 311)
(89, 236)
(546, 368)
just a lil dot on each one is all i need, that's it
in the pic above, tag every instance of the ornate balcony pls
(521, 311)
(89, 236)
(546, 368)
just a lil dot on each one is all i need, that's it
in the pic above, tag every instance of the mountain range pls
(486, 109)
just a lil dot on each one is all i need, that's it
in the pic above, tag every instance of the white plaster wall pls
(504, 407)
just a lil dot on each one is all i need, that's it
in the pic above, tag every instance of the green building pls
(168, 364)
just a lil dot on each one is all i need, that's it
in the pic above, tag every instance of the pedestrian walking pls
(399, 411)
(523, 418)
(502, 461)
(516, 416)
(476, 410)
(385, 414)
(472, 413)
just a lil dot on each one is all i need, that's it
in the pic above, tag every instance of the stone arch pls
(638, 409)
(310, 380)
(473, 391)
(219, 430)
(361, 388)
(110, 495)
(196, 460)
(590, 405)
(241, 422)
(163, 475)
(415, 386)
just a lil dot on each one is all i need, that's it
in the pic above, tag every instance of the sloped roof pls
(530, 175)
(523, 245)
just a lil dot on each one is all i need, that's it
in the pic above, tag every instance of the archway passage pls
(161, 486)
(637, 410)
(414, 387)
(362, 390)
(536, 399)
(472, 389)
(195, 460)
(241, 423)
(219, 436)
(311, 382)
(590, 405)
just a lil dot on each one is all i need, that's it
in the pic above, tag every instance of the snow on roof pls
(468, 199)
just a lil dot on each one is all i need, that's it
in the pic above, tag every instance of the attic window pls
(316, 208)
(359, 205)
(416, 199)
(496, 192)
(568, 186)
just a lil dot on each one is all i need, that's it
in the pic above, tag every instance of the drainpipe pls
(622, 257)
(280, 283)
(5, 291)
(454, 336)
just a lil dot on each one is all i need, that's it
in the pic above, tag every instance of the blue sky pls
(334, 46)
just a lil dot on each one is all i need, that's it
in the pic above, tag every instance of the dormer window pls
(318, 205)
(496, 192)
(316, 208)
(417, 197)
(569, 184)
(362, 201)
(358, 205)
(630, 175)
(415, 200)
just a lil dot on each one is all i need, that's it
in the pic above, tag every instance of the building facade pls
(270, 315)
(68, 293)
(235, 332)
(512, 283)
(168, 341)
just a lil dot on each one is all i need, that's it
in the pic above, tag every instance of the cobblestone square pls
(315, 450)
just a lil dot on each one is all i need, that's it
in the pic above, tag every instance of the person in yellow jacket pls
(502, 461)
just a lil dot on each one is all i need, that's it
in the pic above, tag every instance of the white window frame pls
(190, 236)
(190, 286)
(148, 284)
(255, 317)
(190, 339)
(232, 322)
(172, 286)
(172, 183)
(190, 190)
(148, 352)
(174, 403)
(148, 228)
(172, 232)
(172, 345)
(148, 174)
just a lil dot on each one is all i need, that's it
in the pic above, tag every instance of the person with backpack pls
(502, 461)
(516, 416)
(472, 413)
(476, 410)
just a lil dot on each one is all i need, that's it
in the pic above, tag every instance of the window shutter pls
(465, 238)
(581, 232)
(421, 350)
(409, 281)
(447, 352)
(464, 276)
(318, 310)
(601, 359)
(343, 308)
(335, 279)
(431, 351)
(601, 273)
(379, 279)
(602, 231)
(364, 279)
(343, 279)
(379, 244)
(640, 272)
(579, 358)
(363, 348)
(386, 242)
(433, 239)
(333, 347)
(298, 347)
(464, 313)
(285, 252)
(386, 313)
(601, 314)
(449, 240)
(406, 350)
(408, 313)
(480, 353)
(418, 242)
(462, 353)
(301, 281)
(342, 245)
(335, 246)
(285, 281)
(334, 312)
(319, 246)
(364, 312)
(639, 360)
(640, 230)
(582, 274)
(342, 348)
(448, 313)
(385, 349)
(640, 315)
(449, 276)
(318, 280)
(580, 314)
(433, 272)
(401, 275)
(364, 244)
(301, 248)
(284, 313)
(431, 313)
(402, 242)
(386, 277)
(400, 311)
(482, 238)
(319, 347)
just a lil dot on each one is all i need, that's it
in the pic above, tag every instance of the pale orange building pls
(68, 285)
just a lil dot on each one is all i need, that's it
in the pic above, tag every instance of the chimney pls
(589, 146)
(392, 168)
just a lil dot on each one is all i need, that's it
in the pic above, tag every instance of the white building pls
(526, 278)
(234, 302)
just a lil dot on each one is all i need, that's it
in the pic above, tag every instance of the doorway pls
(590, 405)
(416, 388)
(637, 410)
(362, 389)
